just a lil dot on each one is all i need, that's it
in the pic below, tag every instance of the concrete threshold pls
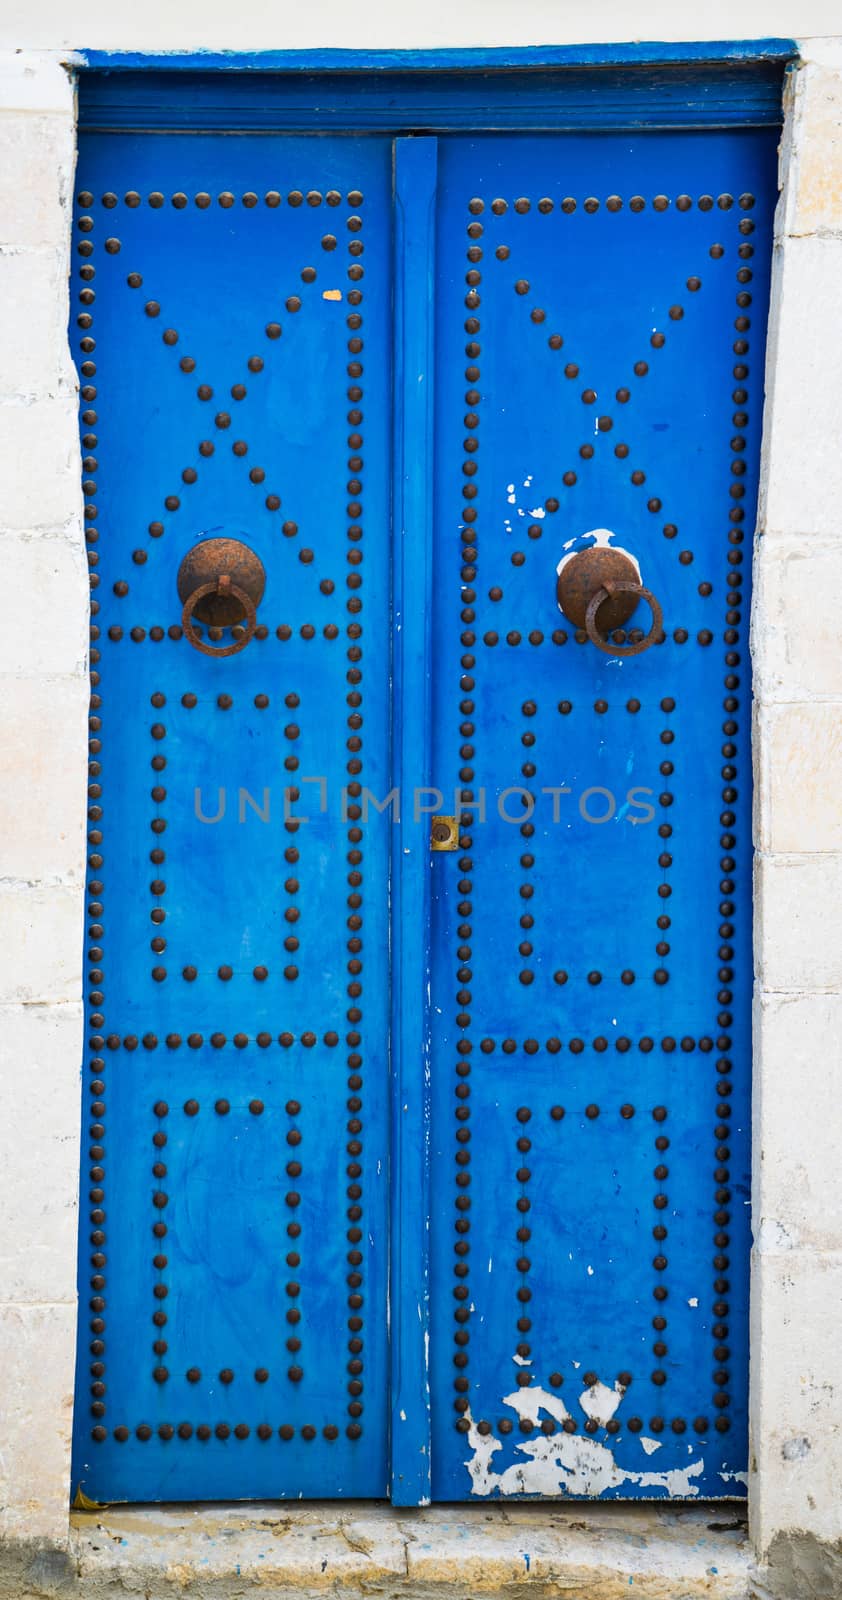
(340, 1551)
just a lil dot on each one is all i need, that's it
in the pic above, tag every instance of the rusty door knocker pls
(603, 583)
(221, 583)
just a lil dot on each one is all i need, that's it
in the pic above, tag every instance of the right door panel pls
(600, 330)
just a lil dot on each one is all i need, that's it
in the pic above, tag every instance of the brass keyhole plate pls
(444, 833)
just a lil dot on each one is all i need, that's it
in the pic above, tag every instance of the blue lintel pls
(461, 59)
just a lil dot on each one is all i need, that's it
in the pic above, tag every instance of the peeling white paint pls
(599, 1402)
(603, 539)
(565, 1463)
(650, 1445)
(529, 1402)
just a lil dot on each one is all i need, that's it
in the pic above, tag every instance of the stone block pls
(797, 1192)
(39, 446)
(42, 945)
(813, 193)
(36, 175)
(40, 1053)
(49, 632)
(800, 765)
(33, 323)
(37, 1354)
(798, 923)
(795, 632)
(34, 79)
(43, 774)
(802, 466)
(796, 1440)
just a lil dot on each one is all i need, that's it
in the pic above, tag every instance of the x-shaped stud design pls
(605, 422)
(641, 368)
(206, 448)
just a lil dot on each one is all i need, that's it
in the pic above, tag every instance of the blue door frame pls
(648, 87)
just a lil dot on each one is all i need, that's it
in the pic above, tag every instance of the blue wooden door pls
(575, 327)
(600, 365)
(232, 297)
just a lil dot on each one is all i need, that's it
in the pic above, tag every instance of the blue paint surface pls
(309, 1042)
(254, 1105)
(410, 97)
(631, 53)
(551, 1092)
(413, 469)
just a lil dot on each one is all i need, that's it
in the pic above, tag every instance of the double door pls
(417, 1077)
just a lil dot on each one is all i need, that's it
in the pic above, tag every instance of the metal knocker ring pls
(614, 586)
(220, 586)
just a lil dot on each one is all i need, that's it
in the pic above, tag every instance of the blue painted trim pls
(705, 52)
(735, 94)
(415, 193)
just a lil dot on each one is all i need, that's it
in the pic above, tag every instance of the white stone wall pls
(797, 1268)
(411, 24)
(43, 708)
(796, 1396)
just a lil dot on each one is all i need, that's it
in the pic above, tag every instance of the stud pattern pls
(221, 1017)
(532, 1011)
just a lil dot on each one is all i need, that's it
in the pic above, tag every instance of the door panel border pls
(412, 555)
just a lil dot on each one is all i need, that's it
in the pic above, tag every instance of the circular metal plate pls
(207, 562)
(587, 571)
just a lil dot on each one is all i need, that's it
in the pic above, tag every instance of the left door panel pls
(230, 318)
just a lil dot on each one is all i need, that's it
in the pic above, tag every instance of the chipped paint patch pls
(565, 1463)
(331, 294)
(599, 1402)
(602, 539)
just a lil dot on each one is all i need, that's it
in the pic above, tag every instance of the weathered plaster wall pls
(797, 1268)
(380, 24)
(43, 694)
